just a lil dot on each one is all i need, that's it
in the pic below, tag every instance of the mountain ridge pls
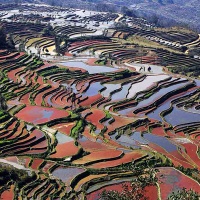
(168, 12)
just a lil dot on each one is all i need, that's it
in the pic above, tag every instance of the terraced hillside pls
(100, 113)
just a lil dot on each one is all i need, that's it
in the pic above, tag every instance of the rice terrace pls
(97, 105)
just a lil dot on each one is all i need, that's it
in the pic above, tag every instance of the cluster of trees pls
(59, 39)
(128, 12)
(14, 175)
(58, 43)
(5, 41)
(145, 175)
(136, 191)
(184, 194)
(120, 25)
(191, 71)
(48, 31)
(190, 172)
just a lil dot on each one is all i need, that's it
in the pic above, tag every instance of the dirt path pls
(119, 17)
(142, 68)
(191, 44)
(18, 166)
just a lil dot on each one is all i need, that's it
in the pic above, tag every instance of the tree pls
(2, 38)
(48, 31)
(57, 44)
(10, 42)
(65, 39)
(73, 99)
(3, 105)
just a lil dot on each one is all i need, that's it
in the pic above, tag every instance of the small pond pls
(93, 89)
(90, 69)
(62, 138)
(66, 174)
(160, 141)
(178, 116)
